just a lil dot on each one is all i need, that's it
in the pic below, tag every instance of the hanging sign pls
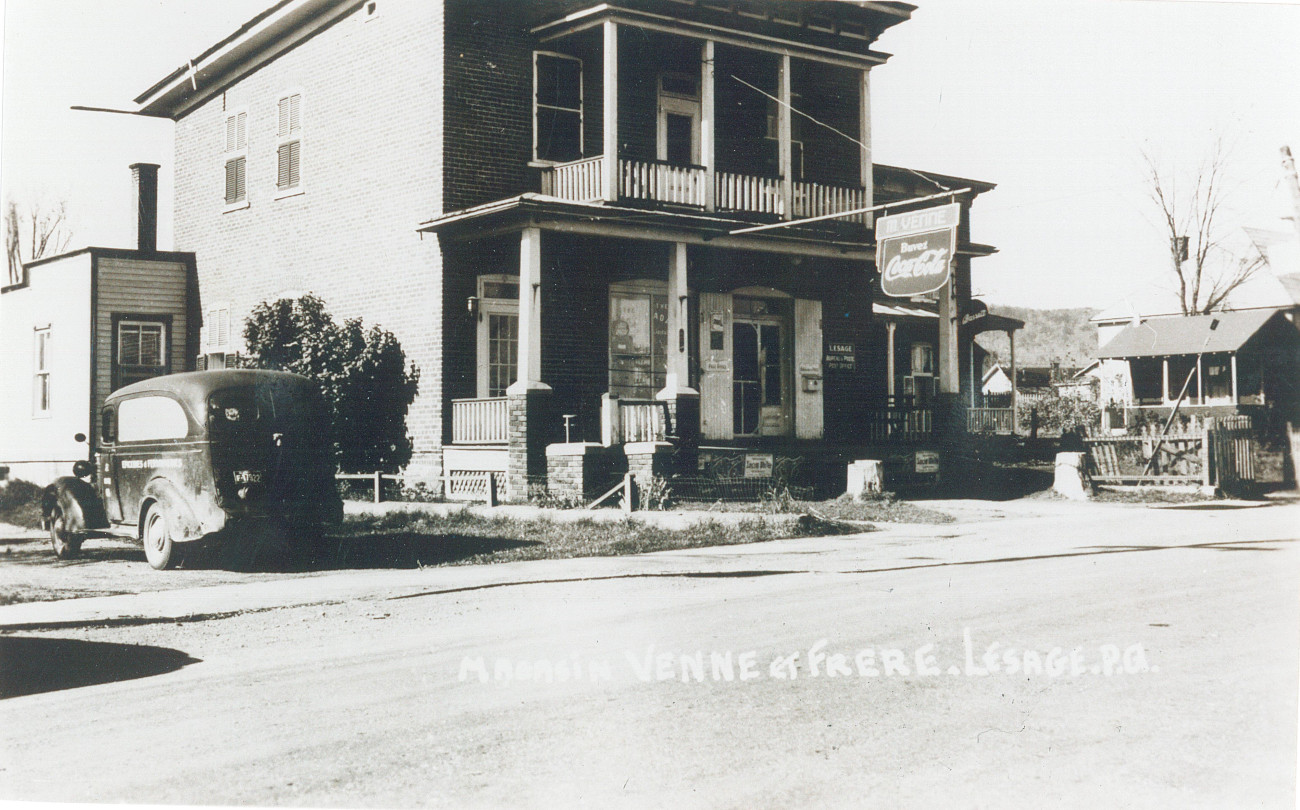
(914, 251)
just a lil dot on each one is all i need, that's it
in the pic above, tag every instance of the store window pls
(638, 338)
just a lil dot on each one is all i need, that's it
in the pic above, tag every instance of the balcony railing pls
(662, 182)
(580, 181)
(479, 421)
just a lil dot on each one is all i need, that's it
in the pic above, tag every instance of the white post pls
(678, 378)
(1200, 386)
(1235, 398)
(949, 356)
(890, 384)
(785, 160)
(1015, 421)
(867, 177)
(708, 141)
(972, 371)
(610, 112)
(530, 312)
(1164, 377)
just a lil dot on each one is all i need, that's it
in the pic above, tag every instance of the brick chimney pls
(145, 176)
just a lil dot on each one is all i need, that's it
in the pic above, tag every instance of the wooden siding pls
(138, 287)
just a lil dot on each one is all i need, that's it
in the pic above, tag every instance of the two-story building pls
(557, 207)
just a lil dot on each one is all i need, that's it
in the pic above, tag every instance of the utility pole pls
(1292, 184)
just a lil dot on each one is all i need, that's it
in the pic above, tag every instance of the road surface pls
(848, 671)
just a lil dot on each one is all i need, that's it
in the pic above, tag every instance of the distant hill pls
(1050, 335)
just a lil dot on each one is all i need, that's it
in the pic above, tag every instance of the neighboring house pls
(1231, 362)
(996, 385)
(81, 325)
(544, 200)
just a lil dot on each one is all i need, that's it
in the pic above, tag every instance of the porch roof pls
(610, 219)
(1165, 337)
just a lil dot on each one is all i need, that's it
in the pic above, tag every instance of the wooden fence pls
(1206, 452)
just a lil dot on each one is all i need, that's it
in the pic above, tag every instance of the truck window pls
(145, 419)
(107, 427)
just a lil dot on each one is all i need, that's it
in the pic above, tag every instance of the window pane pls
(559, 82)
(151, 345)
(559, 135)
(128, 344)
(151, 418)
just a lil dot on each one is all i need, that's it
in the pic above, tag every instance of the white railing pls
(580, 181)
(479, 421)
(989, 420)
(743, 192)
(658, 181)
(632, 420)
(815, 200)
(661, 182)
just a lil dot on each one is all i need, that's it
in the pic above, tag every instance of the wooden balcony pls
(660, 182)
(479, 421)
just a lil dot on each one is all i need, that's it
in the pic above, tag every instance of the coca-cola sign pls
(914, 251)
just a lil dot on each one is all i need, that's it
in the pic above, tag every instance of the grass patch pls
(884, 509)
(415, 539)
(20, 504)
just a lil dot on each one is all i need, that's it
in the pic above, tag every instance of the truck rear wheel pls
(156, 535)
(66, 544)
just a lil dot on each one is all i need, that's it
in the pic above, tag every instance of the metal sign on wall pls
(914, 251)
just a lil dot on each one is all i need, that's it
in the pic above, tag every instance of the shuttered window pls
(288, 153)
(41, 381)
(236, 163)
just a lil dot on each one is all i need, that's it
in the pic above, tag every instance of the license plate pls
(247, 477)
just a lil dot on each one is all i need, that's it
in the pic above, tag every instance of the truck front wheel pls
(66, 544)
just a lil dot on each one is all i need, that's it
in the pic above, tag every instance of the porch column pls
(866, 169)
(1015, 422)
(1164, 380)
(609, 179)
(682, 400)
(1200, 384)
(890, 384)
(1233, 359)
(972, 371)
(529, 422)
(949, 362)
(708, 142)
(785, 160)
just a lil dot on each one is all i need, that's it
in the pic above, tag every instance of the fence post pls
(491, 489)
(379, 479)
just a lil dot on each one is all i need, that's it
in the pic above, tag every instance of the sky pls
(1055, 101)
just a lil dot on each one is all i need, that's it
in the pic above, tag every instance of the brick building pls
(543, 201)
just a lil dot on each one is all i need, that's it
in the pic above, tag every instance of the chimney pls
(145, 176)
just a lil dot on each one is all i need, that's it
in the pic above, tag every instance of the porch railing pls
(658, 181)
(743, 192)
(815, 200)
(632, 420)
(479, 421)
(899, 424)
(989, 420)
(663, 182)
(580, 181)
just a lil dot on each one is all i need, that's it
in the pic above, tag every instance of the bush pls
(363, 375)
(1056, 415)
(20, 504)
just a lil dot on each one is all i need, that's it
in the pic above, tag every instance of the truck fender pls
(81, 506)
(184, 525)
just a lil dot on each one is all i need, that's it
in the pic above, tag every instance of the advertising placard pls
(914, 251)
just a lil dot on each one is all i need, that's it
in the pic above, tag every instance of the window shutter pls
(241, 130)
(231, 185)
(230, 134)
(290, 112)
(288, 159)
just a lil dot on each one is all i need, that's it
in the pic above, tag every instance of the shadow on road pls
(29, 666)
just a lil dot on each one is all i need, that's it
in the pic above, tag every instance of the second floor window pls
(236, 153)
(41, 381)
(288, 153)
(557, 107)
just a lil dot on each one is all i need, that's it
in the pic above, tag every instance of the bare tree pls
(33, 231)
(1207, 271)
